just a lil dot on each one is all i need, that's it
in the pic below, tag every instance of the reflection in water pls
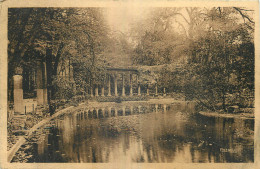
(146, 133)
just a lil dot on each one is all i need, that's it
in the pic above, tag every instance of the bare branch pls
(243, 15)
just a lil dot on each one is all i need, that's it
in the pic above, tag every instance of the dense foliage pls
(51, 35)
(211, 60)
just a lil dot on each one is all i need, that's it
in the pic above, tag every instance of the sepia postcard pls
(129, 84)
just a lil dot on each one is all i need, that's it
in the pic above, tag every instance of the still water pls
(155, 133)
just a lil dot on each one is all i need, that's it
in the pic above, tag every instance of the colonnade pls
(99, 90)
(115, 77)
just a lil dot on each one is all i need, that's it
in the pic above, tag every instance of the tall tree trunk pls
(49, 69)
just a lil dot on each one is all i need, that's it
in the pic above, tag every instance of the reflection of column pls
(131, 86)
(97, 112)
(103, 112)
(116, 112)
(109, 111)
(82, 115)
(131, 109)
(18, 94)
(139, 109)
(96, 91)
(109, 87)
(123, 85)
(123, 110)
(86, 113)
(91, 111)
(115, 78)
(164, 108)
(156, 108)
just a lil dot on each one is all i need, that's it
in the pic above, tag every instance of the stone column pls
(39, 84)
(102, 91)
(115, 78)
(139, 86)
(123, 85)
(139, 89)
(18, 94)
(156, 90)
(96, 90)
(131, 86)
(91, 92)
(109, 87)
(164, 91)
(147, 90)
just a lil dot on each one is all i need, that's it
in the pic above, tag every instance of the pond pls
(145, 132)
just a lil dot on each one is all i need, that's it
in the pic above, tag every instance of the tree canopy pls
(213, 46)
(206, 53)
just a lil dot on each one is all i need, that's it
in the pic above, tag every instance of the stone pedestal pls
(18, 94)
(40, 96)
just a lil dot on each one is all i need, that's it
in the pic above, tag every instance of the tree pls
(50, 34)
(218, 58)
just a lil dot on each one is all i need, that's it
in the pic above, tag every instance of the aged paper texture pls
(129, 84)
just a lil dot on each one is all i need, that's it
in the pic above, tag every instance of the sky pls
(119, 18)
